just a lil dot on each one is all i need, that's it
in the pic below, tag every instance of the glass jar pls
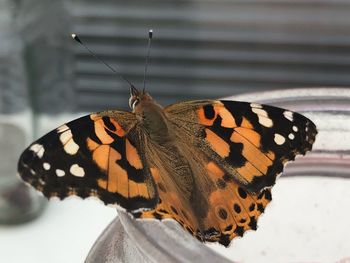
(128, 240)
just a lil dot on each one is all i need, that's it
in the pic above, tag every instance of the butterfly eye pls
(133, 101)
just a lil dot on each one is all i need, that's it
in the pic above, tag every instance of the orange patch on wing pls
(227, 119)
(246, 124)
(102, 183)
(119, 130)
(101, 132)
(250, 135)
(115, 173)
(252, 153)
(138, 189)
(216, 197)
(91, 144)
(155, 173)
(215, 170)
(271, 155)
(218, 202)
(143, 190)
(132, 156)
(217, 144)
(133, 189)
(248, 171)
(203, 119)
(123, 187)
(100, 157)
(94, 117)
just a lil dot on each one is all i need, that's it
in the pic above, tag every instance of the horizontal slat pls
(233, 35)
(226, 55)
(212, 12)
(273, 74)
(208, 48)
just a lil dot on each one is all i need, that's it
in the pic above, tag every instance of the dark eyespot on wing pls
(209, 111)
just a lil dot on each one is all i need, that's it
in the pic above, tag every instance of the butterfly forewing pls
(91, 156)
(250, 141)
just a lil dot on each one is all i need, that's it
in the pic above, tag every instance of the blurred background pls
(201, 49)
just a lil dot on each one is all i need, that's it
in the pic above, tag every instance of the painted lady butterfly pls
(208, 164)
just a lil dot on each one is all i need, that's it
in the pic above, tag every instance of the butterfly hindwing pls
(250, 141)
(234, 210)
(91, 156)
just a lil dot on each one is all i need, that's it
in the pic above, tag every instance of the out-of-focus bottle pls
(18, 203)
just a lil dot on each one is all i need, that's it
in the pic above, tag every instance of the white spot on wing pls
(279, 139)
(35, 147)
(264, 121)
(260, 112)
(295, 128)
(288, 115)
(255, 105)
(263, 117)
(38, 149)
(46, 166)
(40, 153)
(62, 128)
(76, 170)
(291, 136)
(60, 173)
(70, 146)
(66, 136)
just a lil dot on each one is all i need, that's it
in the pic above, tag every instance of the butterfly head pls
(138, 98)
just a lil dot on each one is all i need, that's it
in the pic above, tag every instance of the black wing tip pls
(311, 132)
(24, 165)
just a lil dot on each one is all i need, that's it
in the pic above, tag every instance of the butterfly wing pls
(237, 147)
(244, 147)
(229, 209)
(250, 141)
(95, 155)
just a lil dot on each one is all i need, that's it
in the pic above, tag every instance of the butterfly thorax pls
(155, 124)
(153, 119)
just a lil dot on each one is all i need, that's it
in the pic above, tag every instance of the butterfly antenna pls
(150, 35)
(76, 38)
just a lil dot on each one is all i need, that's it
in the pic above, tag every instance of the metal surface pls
(155, 242)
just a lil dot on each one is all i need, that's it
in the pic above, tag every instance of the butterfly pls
(207, 164)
